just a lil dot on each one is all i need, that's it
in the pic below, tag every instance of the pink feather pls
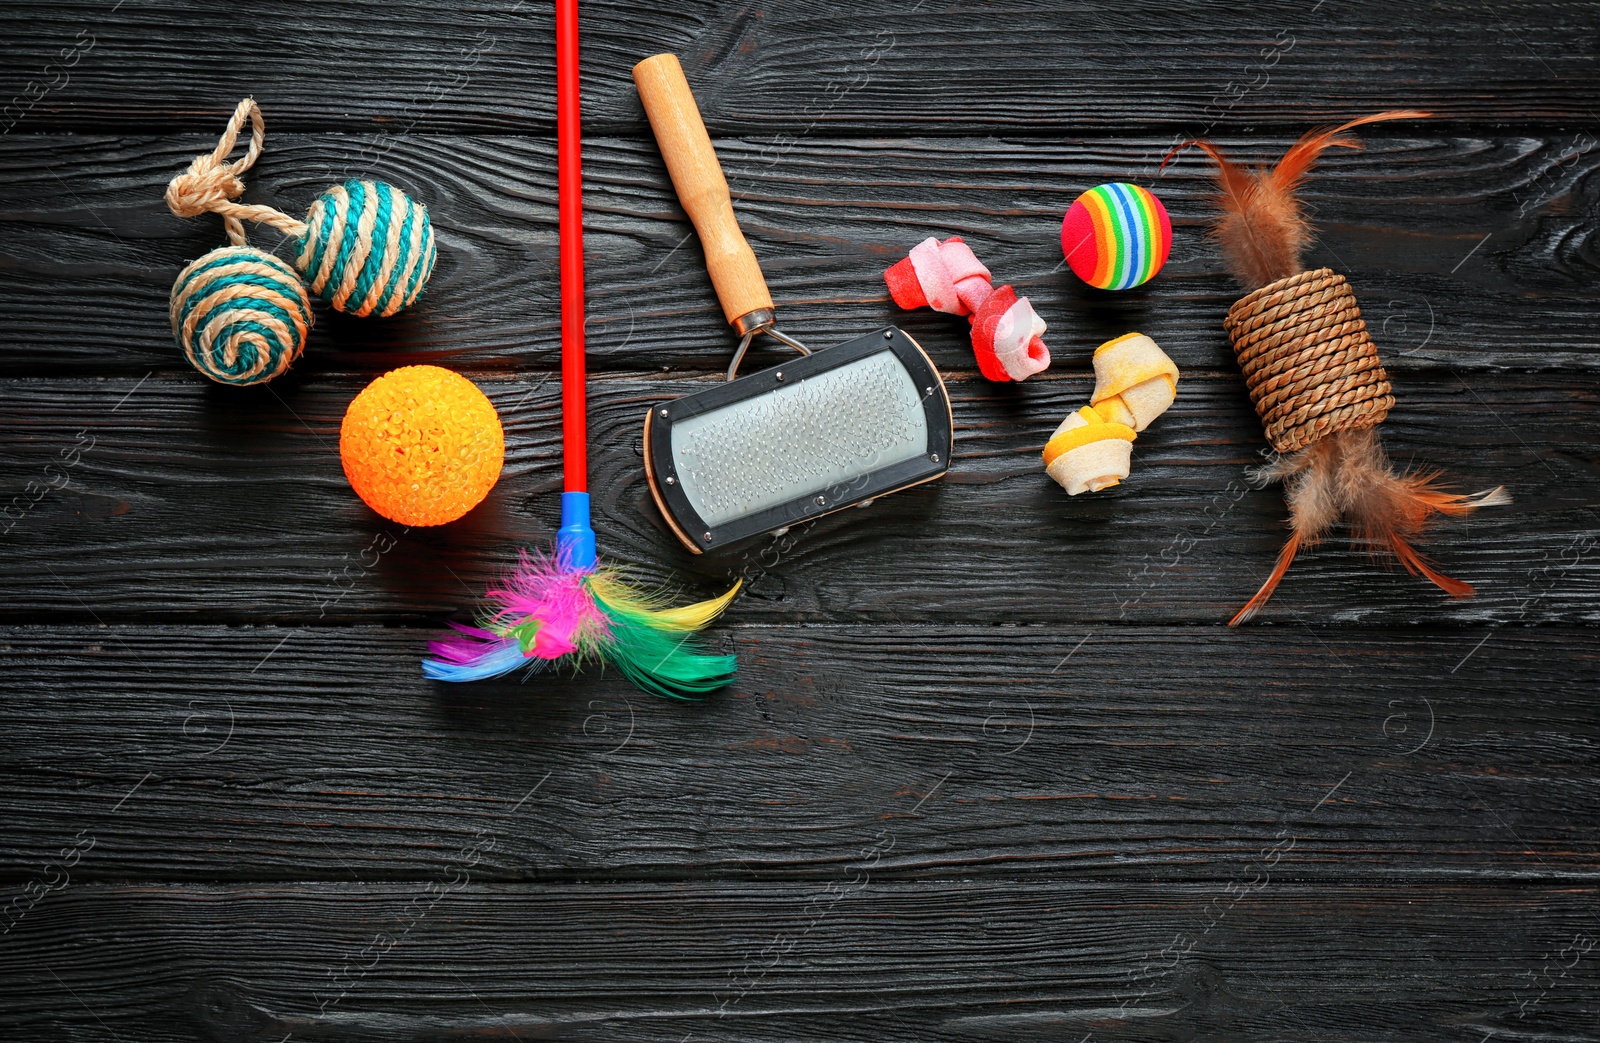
(539, 588)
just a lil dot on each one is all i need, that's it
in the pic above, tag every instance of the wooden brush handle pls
(702, 189)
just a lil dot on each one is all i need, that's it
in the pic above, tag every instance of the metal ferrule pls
(752, 322)
(762, 320)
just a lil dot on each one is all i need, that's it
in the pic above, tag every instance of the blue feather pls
(497, 663)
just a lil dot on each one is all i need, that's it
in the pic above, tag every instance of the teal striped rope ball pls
(368, 248)
(240, 315)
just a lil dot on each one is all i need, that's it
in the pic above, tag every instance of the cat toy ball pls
(565, 605)
(241, 314)
(1314, 374)
(1116, 237)
(421, 445)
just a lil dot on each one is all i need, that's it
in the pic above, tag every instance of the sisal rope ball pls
(367, 249)
(240, 315)
(421, 445)
(1116, 236)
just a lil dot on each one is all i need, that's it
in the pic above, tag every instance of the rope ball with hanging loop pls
(241, 314)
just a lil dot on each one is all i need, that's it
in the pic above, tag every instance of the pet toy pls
(1314, 375)
(1116, 236)
(1135, 382)
(1007, 334)
(239, 313)
(421, 445)
(1088, 453)
(565, 604)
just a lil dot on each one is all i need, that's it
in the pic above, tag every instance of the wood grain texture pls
(1466, 253)
(857, 959)
(201, 503)
(1089, 753)
(811, 67)
(993, 769)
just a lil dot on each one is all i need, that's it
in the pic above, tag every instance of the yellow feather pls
(609, 588)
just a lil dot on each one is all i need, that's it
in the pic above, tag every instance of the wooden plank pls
(1260, 958)
(806, 68)
(200, 503)
(1089, 753)
(1468, 253)
(992, 768)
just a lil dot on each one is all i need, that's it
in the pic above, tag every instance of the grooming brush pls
(833, 429)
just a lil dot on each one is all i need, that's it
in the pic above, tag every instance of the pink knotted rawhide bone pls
(947, 277)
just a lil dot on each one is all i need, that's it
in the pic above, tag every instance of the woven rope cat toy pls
(241, 314)
(1314, 374)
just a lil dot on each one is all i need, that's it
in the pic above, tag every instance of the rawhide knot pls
(1007, 334)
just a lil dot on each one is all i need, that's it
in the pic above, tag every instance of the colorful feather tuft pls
(547, 611)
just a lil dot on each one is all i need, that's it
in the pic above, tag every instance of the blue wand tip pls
(575, 538)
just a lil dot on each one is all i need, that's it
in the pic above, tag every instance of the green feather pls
(659, 649)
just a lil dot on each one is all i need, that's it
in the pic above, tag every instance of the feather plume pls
(1348, 476)
(546, 612)
(1263, 232)
(1262, 229)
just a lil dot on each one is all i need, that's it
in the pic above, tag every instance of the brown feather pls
(1262, 228)
(1296, 162)
(1386, 511)
(1349, 476)
(1309, 486)
(1285, 559)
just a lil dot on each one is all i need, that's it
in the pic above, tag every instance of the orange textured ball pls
(422, 445)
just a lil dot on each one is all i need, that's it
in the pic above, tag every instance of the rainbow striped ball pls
(368, 248)
(1116, 236)
(240, 315)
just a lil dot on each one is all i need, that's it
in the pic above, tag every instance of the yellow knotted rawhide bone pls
(1135, 382)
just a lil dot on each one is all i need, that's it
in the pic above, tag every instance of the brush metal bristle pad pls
(799, 440)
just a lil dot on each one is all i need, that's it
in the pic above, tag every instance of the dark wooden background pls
(993, 767)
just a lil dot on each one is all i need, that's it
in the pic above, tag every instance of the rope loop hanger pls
(212, 183)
